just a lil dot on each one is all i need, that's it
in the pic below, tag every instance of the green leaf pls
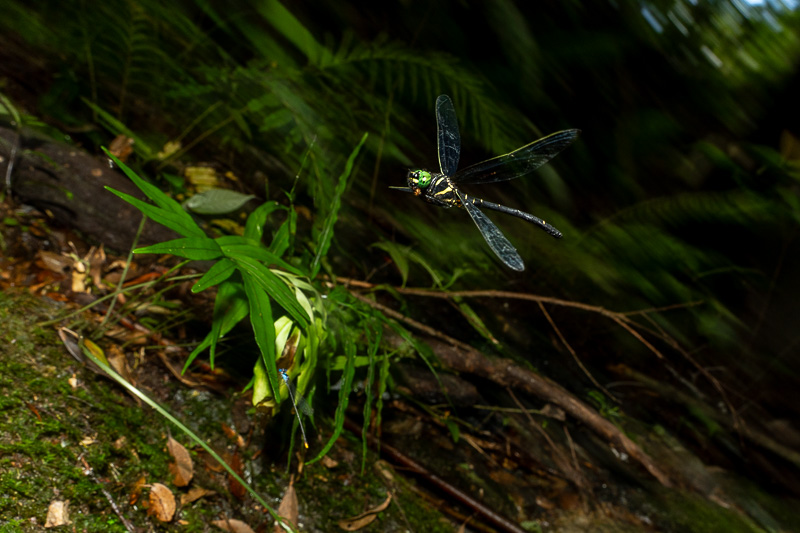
(399, 255)
(159, 197)
(116, 127)
(263, 327)
(254, 227)
(326, 234)
(175, 222)
(294, 31)
(230, 307)
(217, 201)
(275, 120)
(273, 286)
(260, 253)
(219, 272)
(475, 321)
(194, 248)
(261, 389)
(344, 396)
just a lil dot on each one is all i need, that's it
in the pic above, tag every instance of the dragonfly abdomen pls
(516, 213)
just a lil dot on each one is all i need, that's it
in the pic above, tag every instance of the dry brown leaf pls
(136, 490)
(356, 523)
(365, 518)
(57, 514)
(118, 361)
(162, 503)
(288, 509)
(236, 488)
(233, 525)
(121, 147)
(194, 494)
(97, 260)
(327, 462)
(53, 262)
(183, 467)
(233, 435)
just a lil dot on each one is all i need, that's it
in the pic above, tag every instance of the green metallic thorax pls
(435, 188)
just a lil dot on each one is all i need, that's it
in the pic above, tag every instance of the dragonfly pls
(298, 402)
(442, 188)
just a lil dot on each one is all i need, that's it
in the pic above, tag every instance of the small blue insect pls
(299, 403)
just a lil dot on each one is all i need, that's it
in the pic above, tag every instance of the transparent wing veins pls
(498, 242)
(447, 135)
(517, 163)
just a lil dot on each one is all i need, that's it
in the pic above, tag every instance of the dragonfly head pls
(419, 179)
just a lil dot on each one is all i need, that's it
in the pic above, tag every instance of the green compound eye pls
(423, 178)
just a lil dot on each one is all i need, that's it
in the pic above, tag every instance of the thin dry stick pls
(620, 318)
(89, 471)
(574, 355)
(411, 322)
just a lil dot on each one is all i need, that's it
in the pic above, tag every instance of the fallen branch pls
(462, 358)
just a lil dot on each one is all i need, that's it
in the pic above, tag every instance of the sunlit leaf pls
(263, 327)
(217, 201)
(274, 287)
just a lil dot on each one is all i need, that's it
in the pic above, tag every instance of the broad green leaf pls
(326, 233)
(263, 327)
(194, 248)
(230, 308)
(261, 389)
(254, 227)
(217, 201)
(260, 253)
(219, 272)
(273, 286)
(175, 222)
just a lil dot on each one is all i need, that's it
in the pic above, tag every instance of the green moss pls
(687, 511)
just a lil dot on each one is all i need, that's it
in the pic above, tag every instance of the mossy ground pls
(58, 417)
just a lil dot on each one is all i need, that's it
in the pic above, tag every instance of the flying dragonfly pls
(299, 403)
(442, 188)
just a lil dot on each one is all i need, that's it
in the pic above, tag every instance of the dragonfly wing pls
(494, 237)
(517, 163)
(448, 137)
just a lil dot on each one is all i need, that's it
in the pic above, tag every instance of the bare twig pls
(621, 318)
(574, 355)
(89, 471)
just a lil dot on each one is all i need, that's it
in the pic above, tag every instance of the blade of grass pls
(326, 234)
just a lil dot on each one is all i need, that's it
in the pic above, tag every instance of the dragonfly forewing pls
(448, 136)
